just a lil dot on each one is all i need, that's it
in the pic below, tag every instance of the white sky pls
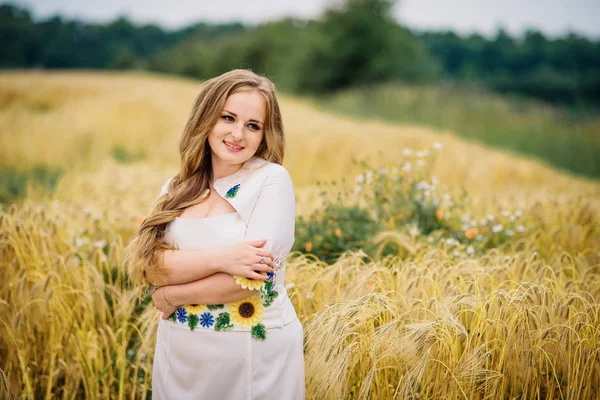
(553, 17)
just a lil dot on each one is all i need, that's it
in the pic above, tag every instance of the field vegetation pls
(475, 275)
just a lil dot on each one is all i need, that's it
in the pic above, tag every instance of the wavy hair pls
(190, 185)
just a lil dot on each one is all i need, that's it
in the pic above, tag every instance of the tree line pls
(354, 43)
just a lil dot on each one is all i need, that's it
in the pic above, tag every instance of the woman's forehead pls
(248, 103)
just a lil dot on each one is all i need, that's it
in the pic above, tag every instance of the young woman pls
(214, 248)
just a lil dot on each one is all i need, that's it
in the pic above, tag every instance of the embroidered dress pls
(252, 348)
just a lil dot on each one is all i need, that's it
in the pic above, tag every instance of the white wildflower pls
(505, 213)
(510, 232)
(100, 244)
(420, 163)
(497, 228)
(437, 145)
(456, 253)
(422, 185)
(357, 189)
(383, 171)
(430, 240)
(465, 218)
(450, 242)
(406, 151)
(490, 217)
(479, 238)
(434, 180)
(520, 228)
(483, 222)
(470, 250)
(359, 179)
(518, 213)
(369, 177)
(103, 258)
(79, 241)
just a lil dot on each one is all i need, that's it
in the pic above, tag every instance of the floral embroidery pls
(232, 192)
(248, 283)
(172, 317)
(193, 321)
(247, 312)
(207, 320)
(223, 322)
(182, 315)
(259, 332)
(194, 308)
(215, 306)
(267, 294)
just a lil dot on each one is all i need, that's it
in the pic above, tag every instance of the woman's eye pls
(227, 117)
(254, 127)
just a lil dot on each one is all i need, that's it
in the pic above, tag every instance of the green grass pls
(565, 139)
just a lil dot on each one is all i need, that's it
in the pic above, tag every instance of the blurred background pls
(444, 157)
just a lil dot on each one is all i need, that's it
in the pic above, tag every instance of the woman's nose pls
(237, 132)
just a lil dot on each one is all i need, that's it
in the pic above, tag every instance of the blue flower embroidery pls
(207, 320)
(232, 192)
(270, 275)
(182, 315)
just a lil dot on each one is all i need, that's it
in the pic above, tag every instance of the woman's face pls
(236, 136)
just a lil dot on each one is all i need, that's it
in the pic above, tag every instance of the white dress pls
(194, 357)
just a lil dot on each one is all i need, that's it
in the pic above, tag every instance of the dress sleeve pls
(274, 217)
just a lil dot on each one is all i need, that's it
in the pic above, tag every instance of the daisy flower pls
(207, 320)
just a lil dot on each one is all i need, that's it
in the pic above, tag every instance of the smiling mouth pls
(233, 147)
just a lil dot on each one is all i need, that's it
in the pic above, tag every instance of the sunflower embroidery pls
(207, 320)
(194, 308)
(249, 283)
(247, 312)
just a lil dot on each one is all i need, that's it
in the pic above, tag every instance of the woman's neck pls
(222, 170)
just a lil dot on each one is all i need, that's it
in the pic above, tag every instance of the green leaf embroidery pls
(172, 317)
(232, 192)
(259, 332)
(223, 322)
(215, 306)
(193, 321)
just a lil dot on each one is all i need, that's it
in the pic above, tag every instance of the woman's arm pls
(181, 266)
(218, 288)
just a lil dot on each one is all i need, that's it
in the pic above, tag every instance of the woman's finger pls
(259, 277)
(264, 253)
(262, 268)
(267, 260)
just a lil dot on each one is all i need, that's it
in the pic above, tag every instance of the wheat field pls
(520, 322)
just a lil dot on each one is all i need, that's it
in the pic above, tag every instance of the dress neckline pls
(206, 218)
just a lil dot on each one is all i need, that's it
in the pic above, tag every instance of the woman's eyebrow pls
(235, 115)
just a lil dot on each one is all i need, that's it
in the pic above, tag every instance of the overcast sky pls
(553, 17)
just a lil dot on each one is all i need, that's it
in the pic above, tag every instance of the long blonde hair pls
(189, 186)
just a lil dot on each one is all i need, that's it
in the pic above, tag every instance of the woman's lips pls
(230, 146)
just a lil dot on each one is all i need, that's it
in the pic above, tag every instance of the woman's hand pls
(244, 259)
(159, 297)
